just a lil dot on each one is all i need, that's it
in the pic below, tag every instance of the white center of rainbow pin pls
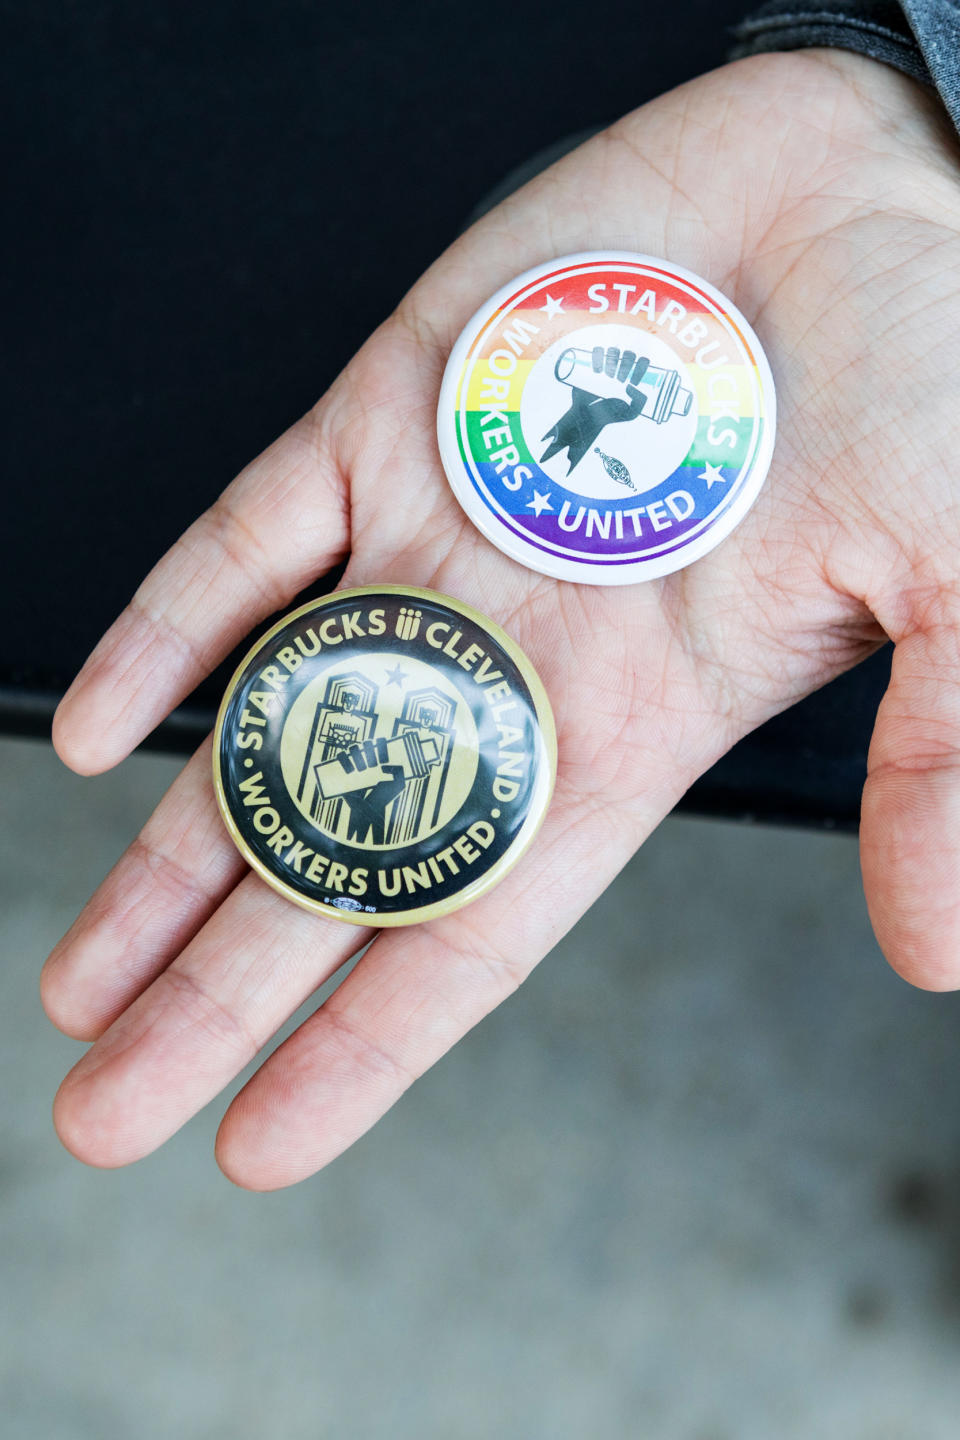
(607, 418)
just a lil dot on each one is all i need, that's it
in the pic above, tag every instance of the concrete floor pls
(699, 1180)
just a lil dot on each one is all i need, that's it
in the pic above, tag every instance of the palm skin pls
(820, 191)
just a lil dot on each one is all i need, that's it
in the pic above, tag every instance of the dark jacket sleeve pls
(919, 37)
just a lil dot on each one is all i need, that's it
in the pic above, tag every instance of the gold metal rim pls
(510, 857)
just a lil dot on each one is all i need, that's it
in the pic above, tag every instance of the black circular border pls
(513, 828)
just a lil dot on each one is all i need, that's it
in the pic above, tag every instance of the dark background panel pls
(211, 208)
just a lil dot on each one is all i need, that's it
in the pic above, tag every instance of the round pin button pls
(607, 418)
(384, 755)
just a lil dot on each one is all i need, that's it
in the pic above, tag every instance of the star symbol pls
(397, 676)
(539, 502)
(553, 307)
(711, 473)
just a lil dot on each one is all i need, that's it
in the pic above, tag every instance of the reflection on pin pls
(368, 773)
(354, 769)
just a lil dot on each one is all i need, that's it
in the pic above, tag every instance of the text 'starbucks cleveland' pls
(384, 753)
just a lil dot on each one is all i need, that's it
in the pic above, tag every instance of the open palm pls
(820, 191)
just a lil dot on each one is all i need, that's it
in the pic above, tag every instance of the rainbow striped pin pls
(607, 418)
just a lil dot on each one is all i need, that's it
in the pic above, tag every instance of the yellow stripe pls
(485, 390)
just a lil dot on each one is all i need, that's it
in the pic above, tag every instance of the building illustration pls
(416, 810)
(403, 801)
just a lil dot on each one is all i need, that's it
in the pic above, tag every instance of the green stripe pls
(477, 434)
(733, 456)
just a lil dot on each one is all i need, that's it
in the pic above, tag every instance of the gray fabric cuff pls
(919, 37)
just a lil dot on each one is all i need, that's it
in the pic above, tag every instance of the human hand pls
(820, 191)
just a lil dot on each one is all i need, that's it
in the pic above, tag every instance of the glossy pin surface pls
(607, 418)
(384, 755)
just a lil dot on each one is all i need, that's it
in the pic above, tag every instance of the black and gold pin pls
(384, 755)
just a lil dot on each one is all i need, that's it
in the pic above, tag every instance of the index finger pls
(283, 521)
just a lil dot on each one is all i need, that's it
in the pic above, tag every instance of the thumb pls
(910, 817)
